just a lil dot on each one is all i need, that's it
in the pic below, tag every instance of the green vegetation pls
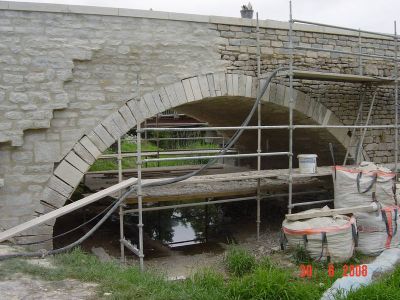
(239, 261)
(247, 279)
(130, 162)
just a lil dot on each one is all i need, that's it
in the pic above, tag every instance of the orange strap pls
(319, 230)
(379, 173)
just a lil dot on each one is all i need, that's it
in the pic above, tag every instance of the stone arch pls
(71, 169)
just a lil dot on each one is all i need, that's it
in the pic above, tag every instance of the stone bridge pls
(69, 89)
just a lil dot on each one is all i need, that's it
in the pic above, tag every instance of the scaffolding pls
(292, 74)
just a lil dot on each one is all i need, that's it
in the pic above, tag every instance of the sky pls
(373, 15)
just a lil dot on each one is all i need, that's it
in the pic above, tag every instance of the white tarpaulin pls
(385, 262)
(322, 237)
(363, 185)
(378, 231)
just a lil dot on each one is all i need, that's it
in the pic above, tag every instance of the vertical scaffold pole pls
(258, 131)
(360, 62)
(139, 194)
(290, 108)
(396, 101)
(121, 207)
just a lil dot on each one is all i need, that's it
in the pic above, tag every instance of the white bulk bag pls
(378, 231)
(361, 186)
(322, 237)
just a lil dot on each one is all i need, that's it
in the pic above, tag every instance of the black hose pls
(231, 142)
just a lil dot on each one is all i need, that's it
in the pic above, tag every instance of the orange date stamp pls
(306, 271)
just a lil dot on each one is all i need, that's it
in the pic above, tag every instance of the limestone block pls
(144, 109)
(180, 93)
(327, 117)
(158, 102)
(204, 86)
(242, 85)
(194, 83)
(77, 162)
(47, 151)
(272, 95)
(164, 98)
(67, 173)
(128, 117)
(60, 186)
(97, 141)
(311, 107)
(235, 82)
(217, 86)
(211, 85)
(221, 79)
(280, 94)
(173, 99)
(148, 99)
(112, 128)
(249, 84)
(90, 146)
(286, 96)
(134, 107)
(265, 96)
(22, 156)
(104, 135)
(188, 90)
(84, 153)
(120, 122)
(19, 98)
(301, 104)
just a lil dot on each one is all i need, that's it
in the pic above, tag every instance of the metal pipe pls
(270, 127)
(353, 132)
(121, 210)
(215, 156)
(184, 205)
(291, 58)
(139, 195)
(360, 65)
(311, 203)
(155, 153)
(220, 128)
(175, 123)
(396, 103)
(258, 221)
(188, 138)
(344, 126)
(344, 28)
(345, 52)
(360, 144)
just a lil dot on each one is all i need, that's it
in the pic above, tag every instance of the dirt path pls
(21, 286)
(16, 286)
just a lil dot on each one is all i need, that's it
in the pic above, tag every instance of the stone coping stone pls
(151, 14)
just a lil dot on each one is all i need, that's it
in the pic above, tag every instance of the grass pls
(130, 162)
(239, 261)
(247, 279)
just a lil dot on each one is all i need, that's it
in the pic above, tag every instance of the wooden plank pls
(327, 213)
(197, 196)
(186, 168)
(326, 76)
(66, 209)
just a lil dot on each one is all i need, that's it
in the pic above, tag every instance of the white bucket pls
(307, 163)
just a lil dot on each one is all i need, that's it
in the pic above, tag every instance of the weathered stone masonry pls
(66, 75)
